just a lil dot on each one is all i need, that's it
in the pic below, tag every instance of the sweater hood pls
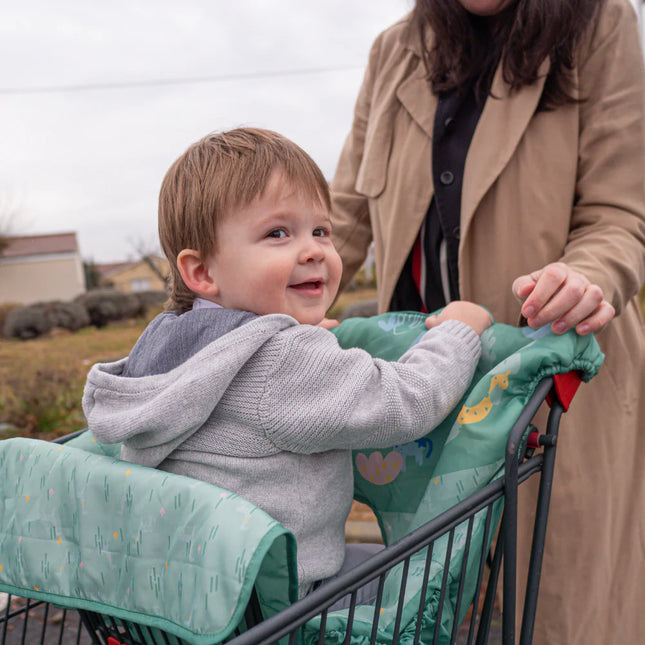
(156, 398)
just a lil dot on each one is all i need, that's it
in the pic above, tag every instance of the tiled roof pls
(24, 245)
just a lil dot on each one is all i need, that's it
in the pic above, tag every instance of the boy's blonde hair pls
(222, 172)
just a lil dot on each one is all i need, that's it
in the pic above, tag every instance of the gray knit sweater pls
(269, 409)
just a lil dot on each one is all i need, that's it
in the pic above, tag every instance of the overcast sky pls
(98, 99)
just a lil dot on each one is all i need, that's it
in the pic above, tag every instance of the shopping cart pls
(437, 579)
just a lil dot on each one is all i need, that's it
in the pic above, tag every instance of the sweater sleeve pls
(320, 397)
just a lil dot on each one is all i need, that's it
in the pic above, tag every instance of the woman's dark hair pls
(468, 48)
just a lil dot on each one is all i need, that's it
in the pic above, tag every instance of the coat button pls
(446, 178)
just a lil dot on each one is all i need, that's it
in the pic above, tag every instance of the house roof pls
(106, 270)
(24, 245)
(109, 270)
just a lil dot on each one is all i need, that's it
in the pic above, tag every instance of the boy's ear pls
(195, 274)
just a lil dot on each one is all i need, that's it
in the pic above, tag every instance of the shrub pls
(106, 305)
(38, 319)
(5, 309)
(27, 322)
(68, 315)
(151, 298)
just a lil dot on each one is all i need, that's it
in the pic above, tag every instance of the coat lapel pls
(417, 98)
(500, 128)
(414, 92)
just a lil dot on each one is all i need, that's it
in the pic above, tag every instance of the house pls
(34, 268)
(147, 274)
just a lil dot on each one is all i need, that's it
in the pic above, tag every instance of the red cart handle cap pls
(565, 385)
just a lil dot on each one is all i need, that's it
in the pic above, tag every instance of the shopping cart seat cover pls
(411, 484)
(465, 451)
(82, 529)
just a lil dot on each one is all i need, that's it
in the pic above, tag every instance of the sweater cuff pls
(464, 332)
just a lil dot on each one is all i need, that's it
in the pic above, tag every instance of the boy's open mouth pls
(311, 285)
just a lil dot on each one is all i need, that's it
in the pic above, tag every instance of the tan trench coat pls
(562, 185)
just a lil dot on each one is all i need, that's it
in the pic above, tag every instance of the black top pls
(456, 117)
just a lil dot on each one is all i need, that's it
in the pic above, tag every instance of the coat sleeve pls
(607, 234)
(320, 397)
(352, 230)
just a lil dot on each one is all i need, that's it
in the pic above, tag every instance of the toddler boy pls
(236, 384)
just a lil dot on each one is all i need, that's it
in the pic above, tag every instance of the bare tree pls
(9, 217)
(146, 251)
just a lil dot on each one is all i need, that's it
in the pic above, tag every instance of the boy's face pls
(275, 256)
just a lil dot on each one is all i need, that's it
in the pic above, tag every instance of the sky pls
(97, 99)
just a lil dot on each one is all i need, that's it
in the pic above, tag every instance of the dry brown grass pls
(41, 380)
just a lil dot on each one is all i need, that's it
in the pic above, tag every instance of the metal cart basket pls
(29, 622)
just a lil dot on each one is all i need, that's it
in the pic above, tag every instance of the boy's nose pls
(312, 251)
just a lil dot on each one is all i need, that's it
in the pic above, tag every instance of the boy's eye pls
(278, 233)
(321, 232)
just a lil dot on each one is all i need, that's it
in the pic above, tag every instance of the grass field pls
(41, 380)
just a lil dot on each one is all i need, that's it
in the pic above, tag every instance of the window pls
(139, 284)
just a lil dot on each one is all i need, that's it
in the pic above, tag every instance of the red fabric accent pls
(113, 641)
(566, 385)
(416, 269)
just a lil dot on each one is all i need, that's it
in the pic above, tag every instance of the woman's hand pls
(559, 295)
(467, 312)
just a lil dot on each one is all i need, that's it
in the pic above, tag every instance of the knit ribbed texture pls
(270, 410)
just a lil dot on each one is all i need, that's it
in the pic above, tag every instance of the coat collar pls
(500, 128)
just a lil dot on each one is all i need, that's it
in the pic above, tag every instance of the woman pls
(497, 155)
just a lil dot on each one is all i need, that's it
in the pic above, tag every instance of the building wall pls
(139, 278)
(27, 280)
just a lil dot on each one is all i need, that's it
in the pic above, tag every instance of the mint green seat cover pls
(409, 485)
(87, 530)
(80, 528)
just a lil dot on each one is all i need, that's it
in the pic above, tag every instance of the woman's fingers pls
(584, 308)
(572, 294)
(553, 295)
(600, 317)
(523, 286)
(559, 295)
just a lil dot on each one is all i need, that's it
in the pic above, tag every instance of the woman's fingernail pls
(584, 329)
(559, 327)
(529, 312)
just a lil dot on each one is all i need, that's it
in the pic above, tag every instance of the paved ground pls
(55, 627)
(44, 624)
